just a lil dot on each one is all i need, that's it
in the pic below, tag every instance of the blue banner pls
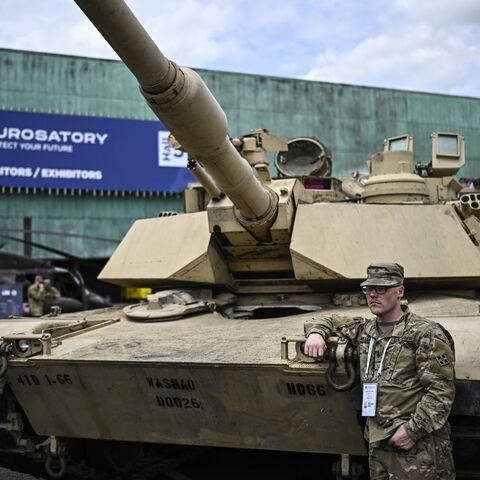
(46, 150)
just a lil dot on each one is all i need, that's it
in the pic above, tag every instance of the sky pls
(420, 45)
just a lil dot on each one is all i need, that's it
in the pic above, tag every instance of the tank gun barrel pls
(181, 100)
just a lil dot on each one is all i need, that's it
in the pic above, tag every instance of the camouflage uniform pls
(429, 459)
(415, 388)
(36, 298)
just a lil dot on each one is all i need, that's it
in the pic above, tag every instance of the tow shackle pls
(340, 354)
(341, 351)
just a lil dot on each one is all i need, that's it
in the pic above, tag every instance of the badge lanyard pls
(369, 397)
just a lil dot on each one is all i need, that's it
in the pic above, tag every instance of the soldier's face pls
(382, 304)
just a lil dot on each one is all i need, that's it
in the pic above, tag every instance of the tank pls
(214, 356)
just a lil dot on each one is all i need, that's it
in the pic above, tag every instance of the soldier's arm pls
(436, 370)
(318, 330)
(335, 325)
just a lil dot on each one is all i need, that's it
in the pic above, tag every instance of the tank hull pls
(237, 406)
(212, 381)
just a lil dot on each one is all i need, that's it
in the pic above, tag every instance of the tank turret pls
(260, 233)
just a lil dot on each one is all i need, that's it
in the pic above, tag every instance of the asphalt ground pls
(6, 474)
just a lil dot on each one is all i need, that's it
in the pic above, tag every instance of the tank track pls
(143, 471)
(149, 467)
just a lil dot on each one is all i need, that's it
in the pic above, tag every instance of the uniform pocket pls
(393, 356)
(363, 344)
(444, 459)
(401, 366)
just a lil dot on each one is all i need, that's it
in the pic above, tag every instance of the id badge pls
(369, 399)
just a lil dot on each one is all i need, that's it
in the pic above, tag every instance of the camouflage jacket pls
(416, 386)
(36, 300)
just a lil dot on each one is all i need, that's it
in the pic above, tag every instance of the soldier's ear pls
(401, 291)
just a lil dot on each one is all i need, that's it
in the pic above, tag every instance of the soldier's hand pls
(315, 346)
(400, 439)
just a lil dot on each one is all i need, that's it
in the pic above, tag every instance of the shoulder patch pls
(442, 359)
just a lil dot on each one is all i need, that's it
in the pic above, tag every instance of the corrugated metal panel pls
(107, 218)
(61, 84)
(351, 120)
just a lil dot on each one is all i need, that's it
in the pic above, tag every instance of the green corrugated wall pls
(351, 120)
(105, 217)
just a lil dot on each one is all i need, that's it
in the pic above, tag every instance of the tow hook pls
(340, 354)
(341, 351)
(56, 461)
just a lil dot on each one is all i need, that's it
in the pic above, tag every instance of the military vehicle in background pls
(214, 357)
(75, 294)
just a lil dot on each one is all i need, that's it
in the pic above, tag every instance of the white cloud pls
(84, 37)
(418, 45)
(443, 14)
(193, 32)
(418, 49)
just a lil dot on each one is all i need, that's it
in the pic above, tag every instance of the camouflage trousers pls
(429, 459)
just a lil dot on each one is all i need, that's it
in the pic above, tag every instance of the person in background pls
(36, 296)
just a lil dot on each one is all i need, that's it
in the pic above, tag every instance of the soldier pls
(407, 372)
(36, 296)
